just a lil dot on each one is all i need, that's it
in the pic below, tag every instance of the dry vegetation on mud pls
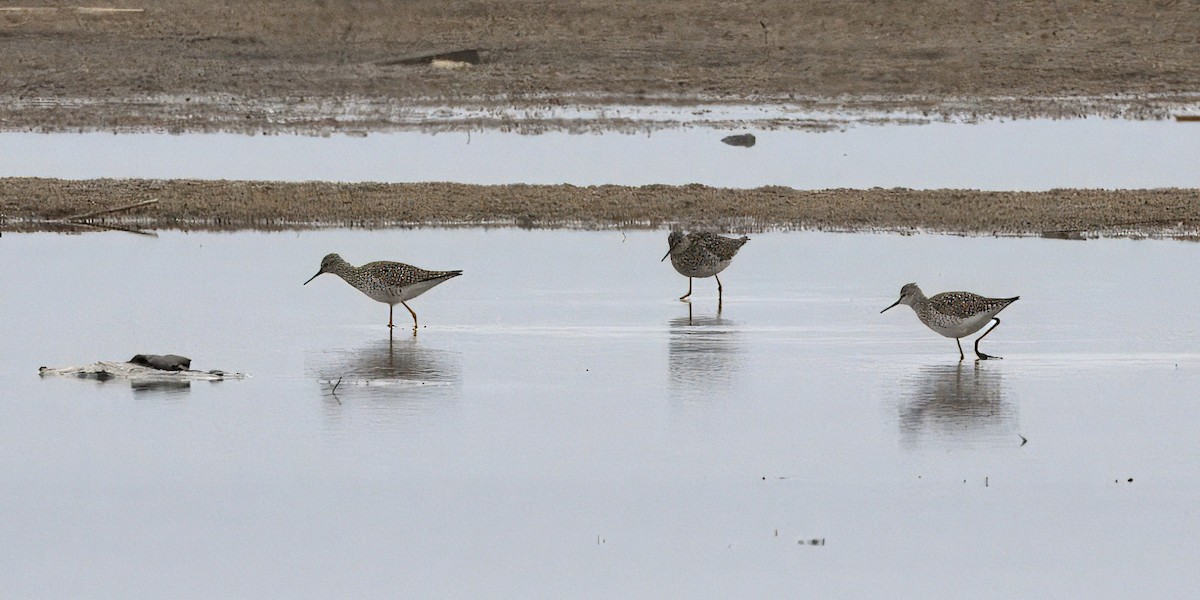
(28, 203)
(272, 65)
(297, 66)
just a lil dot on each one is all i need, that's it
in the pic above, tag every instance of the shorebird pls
(701, 254)
(386, 281)
(954, 314)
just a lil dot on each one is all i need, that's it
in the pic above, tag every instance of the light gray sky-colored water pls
(561, 429)
(990, 155)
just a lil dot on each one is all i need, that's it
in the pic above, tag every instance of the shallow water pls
(990, 155)
(561, 427)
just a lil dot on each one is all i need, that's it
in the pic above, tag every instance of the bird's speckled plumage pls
(954, 314)
(702, 254)
(385, 281)
(950, 308)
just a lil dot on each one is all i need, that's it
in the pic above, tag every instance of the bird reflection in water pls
(387, 368)
(960, 401)
(703, 354)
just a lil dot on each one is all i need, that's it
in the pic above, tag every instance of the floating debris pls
(142, 369)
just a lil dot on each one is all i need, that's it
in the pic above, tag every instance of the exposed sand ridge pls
(28, 203)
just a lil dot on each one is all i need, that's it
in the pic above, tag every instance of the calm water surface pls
(1034, 154)
(563, 427)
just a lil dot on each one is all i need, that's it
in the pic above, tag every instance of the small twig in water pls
(333, 392)
(110, 210)
(110, 228)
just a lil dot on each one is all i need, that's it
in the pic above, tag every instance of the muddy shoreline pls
(579, 113)
(284, 67)
(33, 204)
(276, 66)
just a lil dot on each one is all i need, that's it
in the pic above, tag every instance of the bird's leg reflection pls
(388, 369)
(948, 401)
(704, 354)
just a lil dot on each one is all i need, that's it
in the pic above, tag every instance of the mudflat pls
(45, 204)
(280, 65)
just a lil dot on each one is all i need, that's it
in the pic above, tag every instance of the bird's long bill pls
(668, 252)
(313, 277)
(890, 307)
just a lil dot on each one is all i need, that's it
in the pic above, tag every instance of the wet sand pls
(185, 65)
(33, 204)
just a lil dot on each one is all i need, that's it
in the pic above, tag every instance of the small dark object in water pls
(168, 362)
(744, 140)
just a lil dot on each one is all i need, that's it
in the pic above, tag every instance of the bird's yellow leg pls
(410, 311)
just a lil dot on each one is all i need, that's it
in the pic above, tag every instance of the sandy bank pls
(27, 203)
(278, 65)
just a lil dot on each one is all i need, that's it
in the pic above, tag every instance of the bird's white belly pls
(395, 295)
(964, 327)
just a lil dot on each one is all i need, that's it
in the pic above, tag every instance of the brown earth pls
(318, 66)
(287, 65)
(36, 204)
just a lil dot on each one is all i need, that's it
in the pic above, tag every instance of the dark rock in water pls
(167, 362)
(744, 140)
